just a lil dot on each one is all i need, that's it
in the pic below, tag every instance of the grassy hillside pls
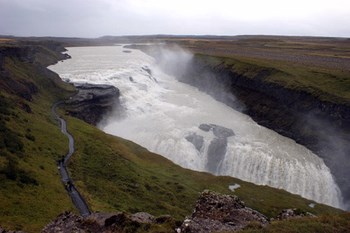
(113, 174)
(30, 143)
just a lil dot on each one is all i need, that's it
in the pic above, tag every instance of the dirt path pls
(76, 197)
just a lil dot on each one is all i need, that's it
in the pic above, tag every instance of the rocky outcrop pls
(214, 212)
(109, 223)
(92, 102)
(216, 153)
(293, 213)
(218, 131)
(217, 147)
(220, 213)
(2, 230)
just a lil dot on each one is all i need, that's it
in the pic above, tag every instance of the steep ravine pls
(166, 116)
(321, 126)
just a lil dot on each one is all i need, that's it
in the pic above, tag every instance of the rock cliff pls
(92, 102)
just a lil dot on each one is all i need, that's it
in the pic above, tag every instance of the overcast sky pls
(95, 18)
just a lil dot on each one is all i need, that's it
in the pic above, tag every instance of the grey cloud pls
(92, 18)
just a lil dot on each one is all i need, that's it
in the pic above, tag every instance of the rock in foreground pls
(109, 223)
(215, 212)
(93, 101)
(5, 231)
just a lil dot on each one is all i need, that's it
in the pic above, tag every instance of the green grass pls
(325, 223)
(35, 194)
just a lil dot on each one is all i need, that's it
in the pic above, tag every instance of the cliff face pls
(320, 125)
(92, 102)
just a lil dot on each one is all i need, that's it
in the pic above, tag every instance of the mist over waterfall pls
(193, 129)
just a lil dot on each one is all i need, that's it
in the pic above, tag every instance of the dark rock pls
(217, 147)
(218, 131)
(222, 132)
(25, 107)
(2, 230)
(108, 223)
(66, 222)
(148, 70)
(196, 140)
(66, 56)
(118, 219)
(127, 51)
(215, 212)
(205, 127)
(163, 219)
(293, 213)
(93, 101)
(142, 217)
(216, 153)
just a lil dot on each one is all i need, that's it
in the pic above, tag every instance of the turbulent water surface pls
(193, 129)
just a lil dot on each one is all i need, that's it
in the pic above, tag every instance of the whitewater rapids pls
(161, 113)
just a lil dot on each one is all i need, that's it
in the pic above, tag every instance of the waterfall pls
(194, 130)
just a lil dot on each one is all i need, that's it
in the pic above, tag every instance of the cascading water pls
(194, 130)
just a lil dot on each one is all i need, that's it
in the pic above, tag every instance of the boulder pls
(218, 131)
(142, 217)
(108, 223)
(2, 230)
(216, 212)
(205, 127)
(222, 132)
(293, 213)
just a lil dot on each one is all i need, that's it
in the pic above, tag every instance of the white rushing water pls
(160, 113)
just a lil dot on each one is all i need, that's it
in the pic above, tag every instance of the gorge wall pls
(321, 126)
